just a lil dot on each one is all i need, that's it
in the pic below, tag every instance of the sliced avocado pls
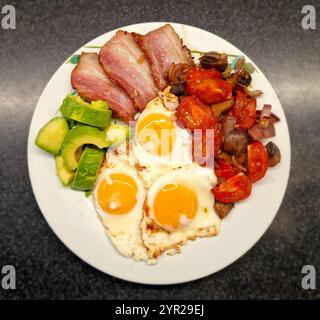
(78, 153)
(51, 135)
(66, 176)
(72, 123)
(96, 114)
(77, 137)
(117, 133)
(88, 168)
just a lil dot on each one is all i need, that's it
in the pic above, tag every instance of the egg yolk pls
(156, 133)
(175, 206)
(117, 194)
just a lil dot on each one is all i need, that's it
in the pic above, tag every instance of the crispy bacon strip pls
(91, 83)
(162, 48)
(125, 63)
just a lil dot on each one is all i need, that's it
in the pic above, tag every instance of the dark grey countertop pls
(270, 33)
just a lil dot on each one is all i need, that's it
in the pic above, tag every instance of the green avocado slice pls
(96, 113)
(77, 137)
(64, 174)
(88, 168)
(116, 133)
(52, 134)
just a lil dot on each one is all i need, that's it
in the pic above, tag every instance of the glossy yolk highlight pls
(174, 206)
(117, 195)
(156, 133)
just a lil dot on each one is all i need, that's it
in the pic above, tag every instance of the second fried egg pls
(178, 208)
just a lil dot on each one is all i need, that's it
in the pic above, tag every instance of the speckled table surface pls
(270, 33)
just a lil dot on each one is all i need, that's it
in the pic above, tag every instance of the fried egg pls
(159, 144)
(150, 196)
(178, 208)
(118, 199)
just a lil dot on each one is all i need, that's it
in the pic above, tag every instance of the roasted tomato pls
(225, 169)
(198, 73)
(204, 154)
(244, 110)
(193, 114)
(234, 189)
(211, 90)
(217, 140)
(257, 161)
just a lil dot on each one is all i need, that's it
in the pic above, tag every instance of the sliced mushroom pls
(222, 209)
(214, 60)
(177, 71)
(232, 79)
(221, 107)
(244, 77)
(253, 93)
(273, 153)
(178, 90)
(236, 142)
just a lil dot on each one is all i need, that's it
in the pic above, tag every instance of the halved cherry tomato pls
(225, 169)
(198, 73)
(244, 110)
(211, 90)
(202, 153)
(217, 140)
(193, 114)
(234, 189)
(257, 161)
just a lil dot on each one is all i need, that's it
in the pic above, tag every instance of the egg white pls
(152, 166)
(123, 229)
(136, 233)
(206, 223)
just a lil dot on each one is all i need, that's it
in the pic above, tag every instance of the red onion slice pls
(257, 133)
(273, 117)
(265, 116)
(229, 125)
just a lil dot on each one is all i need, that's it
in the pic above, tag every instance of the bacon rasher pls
(125, 63)
(91, 83)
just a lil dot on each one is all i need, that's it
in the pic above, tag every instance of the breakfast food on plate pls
(179, 208)
(77, 137)
(96, 113)
(65, 175)
(51, 136)
(89, 165)
(117, 132)
(162, 48)
(92, 83)
(125, 63)
(159, 144)
(194, 150)
(118, 199)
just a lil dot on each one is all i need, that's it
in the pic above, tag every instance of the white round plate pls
(72, 217)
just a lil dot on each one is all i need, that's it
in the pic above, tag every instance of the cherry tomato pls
(244, 110)
(234, 189)
(193, 114)
(217, 140)
(198, 73)
(257, 161)
(225, 169)
(211, 90)
(202, 153)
